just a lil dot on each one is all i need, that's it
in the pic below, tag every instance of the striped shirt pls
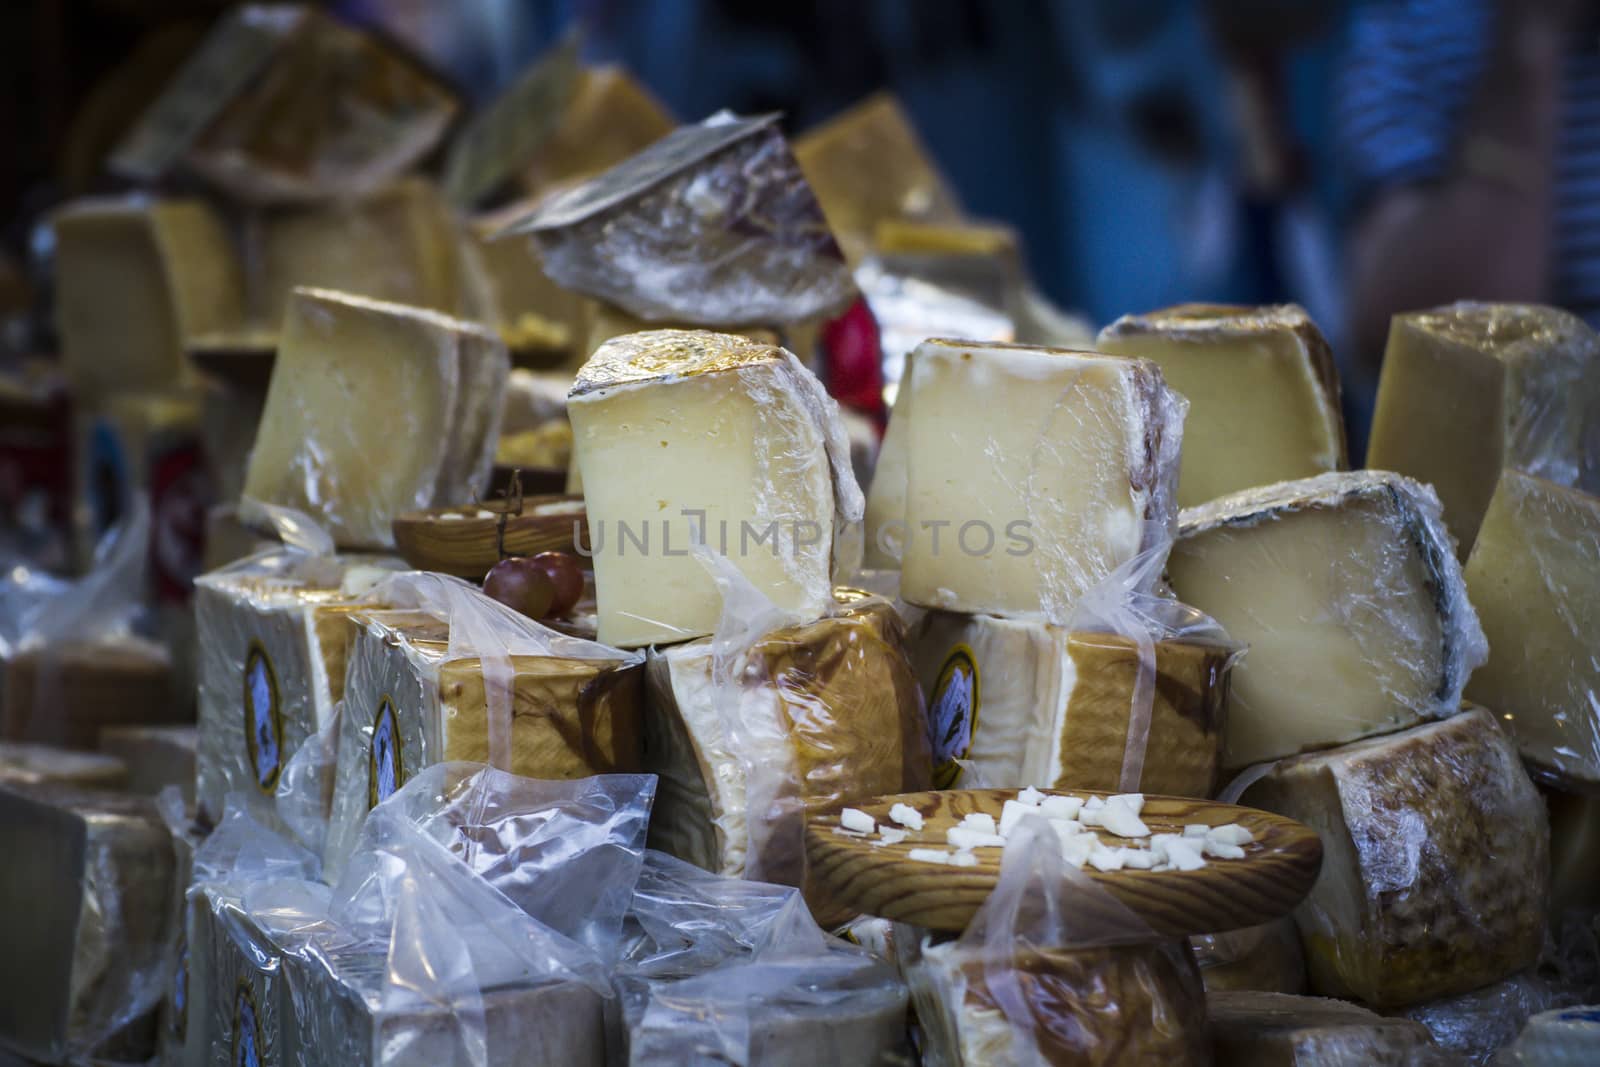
(1411, 70)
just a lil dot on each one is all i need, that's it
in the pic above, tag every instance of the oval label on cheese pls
(384, 773)
(953, 714)
(263, 718)
(246, 1028)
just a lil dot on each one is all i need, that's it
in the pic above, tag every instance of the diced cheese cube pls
(1030, 796)
(1122, 822)
(1183, 855)
(1223, 850)
(1094, 804)
(906, 816)
(1061, 807)
(963, 859)
(1262, 388)
(1077, 850)
(1105, 859)
(980, 821)
(965, 838)
(858, 820)
(1134, 802)
(684, 433)
(889, 836)
(1231, 834)
(1196, 829)
(1138, 858)
(1346, 589)
(1011, 813)
(1031, 474)
(929, 855)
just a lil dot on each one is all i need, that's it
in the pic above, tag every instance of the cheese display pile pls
(281, 784)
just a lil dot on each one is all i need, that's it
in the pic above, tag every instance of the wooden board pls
(1276, 873)
(467, 547)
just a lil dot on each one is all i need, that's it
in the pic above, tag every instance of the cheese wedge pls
(679, 433)
(1265, 958)
(1027, 703)
(1534, 576)
(327, 448)
(1346, 590)
(1436, 861)
(820, 714)
(412, 699)
(1278, 1030)
(135, 280)
(1032, 473)
(1470, 388)
(1262, 388)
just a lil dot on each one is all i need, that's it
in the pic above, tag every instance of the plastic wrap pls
(1475, 1026)
(754, 462)
(712, 224)
(1346, 589)
(1264, 959)
(1276, 1029)
(454, 675)
(324, 451)
(1534, 577)
(772, 720)
(1435, 868)
(84, 911)
(1040, 978)
(283, 102)
(1468, 389)
(719, 970)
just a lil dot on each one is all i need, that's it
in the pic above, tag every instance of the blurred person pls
(1471, 136)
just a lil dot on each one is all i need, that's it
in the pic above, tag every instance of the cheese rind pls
(1032, 474)
(683, 431)
(1435, 865)
(1470, 388)
(1251, 1029)
(1346, 590)
(1262, 388)
(327, 449)
(1534, 576)
(1027, 703)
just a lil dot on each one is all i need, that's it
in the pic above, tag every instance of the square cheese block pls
(1262, 388)
(66, 693)
(413, 699)
(1468, 388)
(1252, 1029)
(272, 664)
(1028, 703)
(84, 915)
(1098, 1007)
(240, 971)
(1265, 958)
(1435, 864)
(136, 279)
(156, 756)
(1346, 591)
(1032, 474)
(1534, 576)
(23, 763)
(376, 409)
(684, 433)
(819, 714)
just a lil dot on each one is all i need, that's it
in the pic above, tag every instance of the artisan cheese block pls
(679, 433)
(272, 665)
(815, 715)
(1470, 388)
(1565, 1037)
(1262, 388)
(241, 970)
(885, 536)
(1032, 473)
(66, 693)
(1435, 861)
(1474, 1026)
(1346, 590)
(1252, 1029)
(1265, 958)
(1027, 703)
(84, 917)
(413, 698)
(1091, 1006)
(135, 279)
(398, 244)
(1534, 576)
(156, 756)
(327, 449)
(22, 763)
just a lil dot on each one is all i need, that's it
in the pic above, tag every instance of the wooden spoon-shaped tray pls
(1276, 873)
(467, 546)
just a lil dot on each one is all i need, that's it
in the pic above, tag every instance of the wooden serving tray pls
(467, 547)
(1275, 874)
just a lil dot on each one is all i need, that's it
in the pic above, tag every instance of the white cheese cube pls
(1060, 807)
(929, 855)
(1077, 850)
(964, 838)
(980, 821)
(1031, 797)
(1222, 850)
(890, 836)
(1184, 855)
(1122, 822)
(1138, 858)
(1094, 804)
(906, 816)
(1231, 834)
(1010, 813)
(1102, 858)
(858, 820)
(1196, 829)
(1134, 802)
(963, 859)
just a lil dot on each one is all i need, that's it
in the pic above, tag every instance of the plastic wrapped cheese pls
(1346, 590)
(1565, 1037)
(84, 915)
(1468, 389)
(1262, 388)
(1534, 576)
(688, 434)
(156, 756)
(1067, 465)
(714, 224)
(818, 714)
(325, 449)
(1435, 866)
(1027, 703)
(1278, 1030)
(1474, 1026)
(1265, 958)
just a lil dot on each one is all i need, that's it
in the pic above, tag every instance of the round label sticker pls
(179, 994)
(246, 1030)
(384, 774)
(953, 714)
(263, 719)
